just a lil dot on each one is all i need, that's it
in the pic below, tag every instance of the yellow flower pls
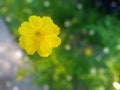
(39, 34)
(88, 51)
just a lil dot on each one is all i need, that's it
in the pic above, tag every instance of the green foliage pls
(90, 42)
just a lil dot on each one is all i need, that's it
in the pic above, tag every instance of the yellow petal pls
(31, 46)
(48, 27)
(35, 21)
(26, 29)
(51, 29)
(47, 20)
(54, 41)
(22, 42)
(44, 49)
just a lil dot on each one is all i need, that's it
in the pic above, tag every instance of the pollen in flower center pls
(37, 34)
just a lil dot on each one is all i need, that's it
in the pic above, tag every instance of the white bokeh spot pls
(118, 47)
(116, 85)
(29, 1)
(67, 23)
(113, 4)
(79, 6)
(46, 3)
(8, 84)
(106, 50)
(91, 32)
(15, 88)
(93, 70)
(8, 19)
(69, 77)
(67, 47)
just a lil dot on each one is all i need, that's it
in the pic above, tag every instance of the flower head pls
(88, 51)
(40, 35)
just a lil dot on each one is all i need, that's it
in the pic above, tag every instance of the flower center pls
(37, 34)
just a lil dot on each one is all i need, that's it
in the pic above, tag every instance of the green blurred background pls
(89, 56)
